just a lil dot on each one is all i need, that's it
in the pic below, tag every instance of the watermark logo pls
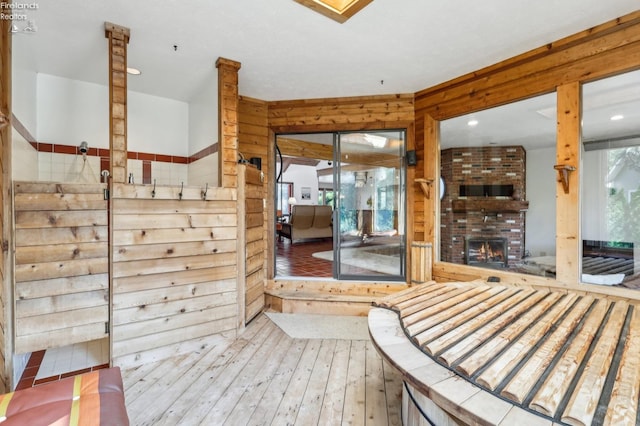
(18, 14)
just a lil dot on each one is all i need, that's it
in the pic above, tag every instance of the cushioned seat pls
(95, 398)
(308, 222)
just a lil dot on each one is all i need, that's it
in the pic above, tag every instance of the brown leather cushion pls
(98, 399)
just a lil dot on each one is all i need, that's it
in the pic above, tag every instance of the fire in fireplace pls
(488, 252)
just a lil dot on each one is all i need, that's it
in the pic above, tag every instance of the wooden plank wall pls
(601, 51)
(6, 231)
(335, 114)
(175, 270)
(251, 215)
(253, 140)
(253, 131)
(61, 264)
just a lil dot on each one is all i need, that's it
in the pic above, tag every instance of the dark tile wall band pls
(131, 155)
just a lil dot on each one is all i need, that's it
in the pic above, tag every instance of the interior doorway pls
(340, 205)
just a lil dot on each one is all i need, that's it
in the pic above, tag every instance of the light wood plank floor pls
(267, 378)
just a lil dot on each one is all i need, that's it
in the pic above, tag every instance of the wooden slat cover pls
(569, 357)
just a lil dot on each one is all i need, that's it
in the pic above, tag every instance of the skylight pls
(338, 10)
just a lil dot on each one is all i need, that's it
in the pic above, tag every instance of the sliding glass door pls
(369, 228)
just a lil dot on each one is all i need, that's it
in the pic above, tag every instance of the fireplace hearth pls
(490, 252)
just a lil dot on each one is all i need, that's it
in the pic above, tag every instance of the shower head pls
(84, 147)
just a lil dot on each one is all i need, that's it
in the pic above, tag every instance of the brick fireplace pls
(485, 187)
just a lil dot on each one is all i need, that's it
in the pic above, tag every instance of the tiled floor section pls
(58, 363)
(297, 261)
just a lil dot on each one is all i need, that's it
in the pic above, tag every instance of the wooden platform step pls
(312, 302)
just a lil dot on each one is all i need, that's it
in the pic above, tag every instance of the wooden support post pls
(432, 174)
(567, 200)
(118, 39)
(228, 122)
(6, 260)
(421, 253)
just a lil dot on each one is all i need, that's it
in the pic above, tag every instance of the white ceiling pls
(290, 52)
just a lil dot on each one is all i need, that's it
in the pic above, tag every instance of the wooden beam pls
(228, 101)
(6, 233)
(304, 149)
(297, 148)
(118, 39)
(568, 239)
(432, 173)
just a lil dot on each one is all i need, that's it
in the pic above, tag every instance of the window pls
(284, 191)
(611, 181)
(325, 197)
(495, 165)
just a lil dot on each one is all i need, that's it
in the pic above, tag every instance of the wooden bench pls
(502, 355)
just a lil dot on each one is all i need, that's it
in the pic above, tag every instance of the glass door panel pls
(611, 181)
(370, 231)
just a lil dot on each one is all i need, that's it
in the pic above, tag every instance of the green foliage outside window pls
(623, 207)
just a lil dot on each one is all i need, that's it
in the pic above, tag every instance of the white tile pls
(94, 353)
(73, 357)
(105, 351)
(79, 358)
(44, 166)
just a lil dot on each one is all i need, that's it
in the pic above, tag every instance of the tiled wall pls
(204, 171)
(472, 166)
(23, 159)
(54, 167)
(63, 163)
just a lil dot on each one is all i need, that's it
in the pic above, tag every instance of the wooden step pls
(311, 302)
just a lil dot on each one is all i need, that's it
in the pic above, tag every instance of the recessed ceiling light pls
(617, 117)
(133, 71)
(472, 123)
